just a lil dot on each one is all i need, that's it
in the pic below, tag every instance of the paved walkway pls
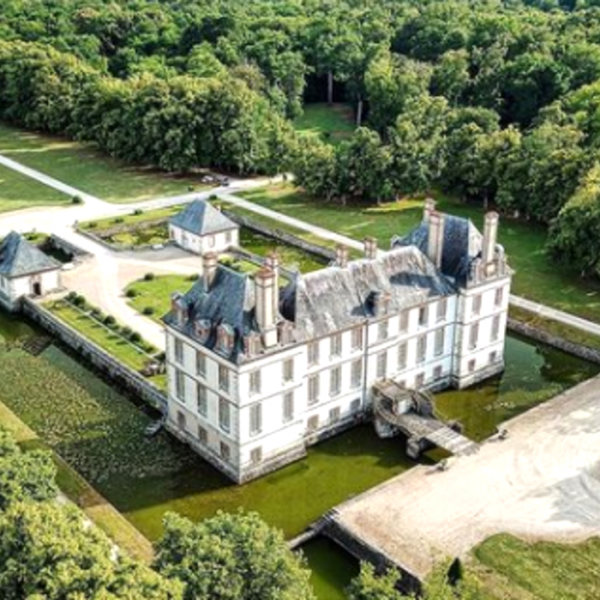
(543, 482)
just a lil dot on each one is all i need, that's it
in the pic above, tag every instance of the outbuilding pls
(25, 271)
(201, 228)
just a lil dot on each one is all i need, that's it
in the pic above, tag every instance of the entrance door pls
(37, 289)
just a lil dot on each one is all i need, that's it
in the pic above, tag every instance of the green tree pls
(231, 557)
(47, 551)
(370, 586)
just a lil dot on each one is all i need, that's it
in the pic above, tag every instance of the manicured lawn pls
(137, 217)
(537, 277)
(18, 191)
(109, 340)
(156, 294)
(332, 123)
(80, 492)
(543, 570)
(87, 169)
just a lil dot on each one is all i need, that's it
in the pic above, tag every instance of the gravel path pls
(543, 482)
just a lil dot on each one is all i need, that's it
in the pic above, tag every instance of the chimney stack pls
(265, 293)
(428, 209)
(272, 263)
(435, 242)
(341, 256)
(370, 248)
(490, 237)
(210, 262)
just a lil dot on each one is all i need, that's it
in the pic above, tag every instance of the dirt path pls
(543, 482)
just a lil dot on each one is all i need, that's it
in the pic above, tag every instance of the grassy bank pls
(537, 277)
(540, 570)
(81, 493)
(18, 192)
(85, 168)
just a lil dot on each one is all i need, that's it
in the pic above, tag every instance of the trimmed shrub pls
(149, 276)
(190, 188)
(71, 297)
(110, 321)
(126, 331)
(137, 212)
(193, 277)
(131, 293)
(79, 301)
(118, 220)
(76, 200)
(135, 337)
(148, 310)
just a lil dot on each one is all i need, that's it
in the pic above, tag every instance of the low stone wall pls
(282, 236)
(331, 528)
(67, 247)
(589, 354)
(124, 376)
(259, 260)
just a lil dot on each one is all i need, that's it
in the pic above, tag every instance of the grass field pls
(331, 123)
(539, 571)
(18, 191)
(89, 170)
(537, 277)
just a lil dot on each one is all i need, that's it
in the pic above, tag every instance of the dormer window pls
(379, 303)
(252, 344)
(225, 337)
(202, 329)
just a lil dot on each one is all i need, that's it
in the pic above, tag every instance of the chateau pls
(260, 368)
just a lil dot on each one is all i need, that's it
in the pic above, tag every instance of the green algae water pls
(101, 434)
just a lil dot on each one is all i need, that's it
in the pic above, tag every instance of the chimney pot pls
(435, 242)
(490, 237)
(370, 245)
(341, 256)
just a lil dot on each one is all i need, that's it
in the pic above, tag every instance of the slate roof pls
(318, 303)
(230, 301)
(334, 298)
(462, 245)
(18, 257)
(201, 218)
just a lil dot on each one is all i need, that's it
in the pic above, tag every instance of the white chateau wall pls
(217, 242)
(17, 287)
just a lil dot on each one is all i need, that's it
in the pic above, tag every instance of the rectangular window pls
(493, 357)
(178, 351)
(437, 372)
(471, 365)
(202, 435)
(499, 300)
(223, 378)
(180, 385)
(404, 321)
(420, 380)
(334, 414)
(225, 451)
(288, 370)
(476, 306)
(442, 309)
(255, 382)
(402, 356)
(423, 316)
(335, 382)
(355, 405)
(313, 423)
(382, 364)
(200, 364)
(181, 420)
(288, 407)
(474, 336)
(440, 338)
(202, 399)
(336, 345)
(356, 374)
(313, 389)
(256, 455)
(421, 349)
(357, 338)
(313, 354)
(496, 328)
(255, 419)
(224, 414)
(228, 237)
(382, 330)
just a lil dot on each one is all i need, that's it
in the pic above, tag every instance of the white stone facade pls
(201, 244)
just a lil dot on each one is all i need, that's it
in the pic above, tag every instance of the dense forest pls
(498, 102)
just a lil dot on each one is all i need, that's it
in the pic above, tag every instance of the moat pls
(100, 433)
